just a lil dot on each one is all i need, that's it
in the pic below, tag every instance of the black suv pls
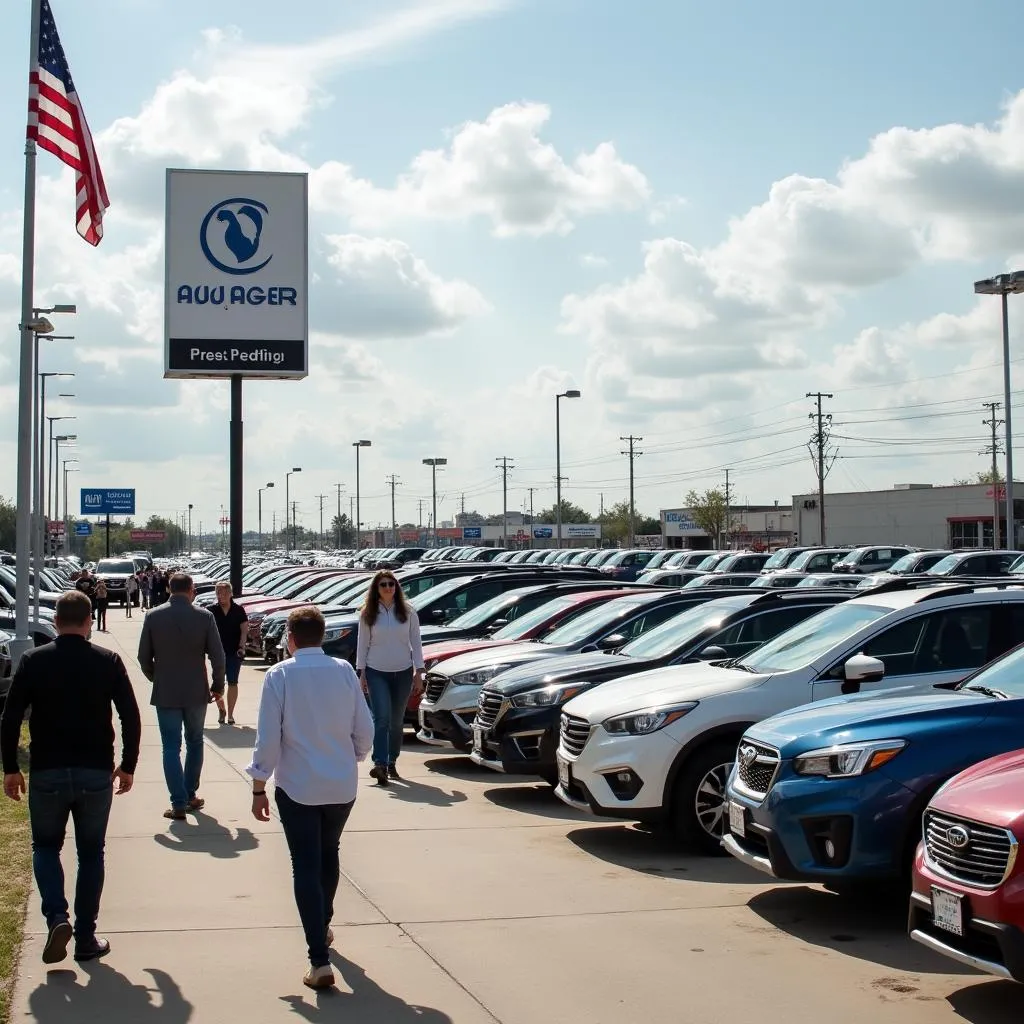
(517, 719)
(115, 572)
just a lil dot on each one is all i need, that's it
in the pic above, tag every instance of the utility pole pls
(504, 462)
(728, 509)
(322, 498)
(351, 511)
(295, 505)
(337, 539)
(393, 482)
(463, 503)
(632, 453)
(994, 448)
(820, 452)
(531, 490)
(420, 504)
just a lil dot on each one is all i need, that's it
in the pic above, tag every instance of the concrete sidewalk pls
(468, 897)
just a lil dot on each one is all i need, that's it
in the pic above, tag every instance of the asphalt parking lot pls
(469, 896)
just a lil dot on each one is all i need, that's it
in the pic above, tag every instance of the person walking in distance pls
(389, 659)
(313, 726)
(176, 640)
(131, 586)
(102, 601)
(69, 686)
(233, 627)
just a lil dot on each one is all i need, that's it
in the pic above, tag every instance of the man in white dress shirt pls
(313, 728)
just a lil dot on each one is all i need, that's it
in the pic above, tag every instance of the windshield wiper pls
(733, 663)
(989, 691)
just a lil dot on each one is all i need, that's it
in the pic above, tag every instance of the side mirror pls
(610, 643)
(438, 615)
(861, 669)
(713, 654)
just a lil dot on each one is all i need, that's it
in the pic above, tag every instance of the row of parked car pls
(813, 733)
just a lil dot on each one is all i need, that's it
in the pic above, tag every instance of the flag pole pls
(26, 412)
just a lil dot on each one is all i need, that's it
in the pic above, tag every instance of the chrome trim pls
(967, 959)
(478, 758)
(425, 736)
(1011, 857)
(579, 805)
(737, 782)
(752, 860)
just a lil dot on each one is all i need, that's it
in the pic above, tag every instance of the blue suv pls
(834, 792)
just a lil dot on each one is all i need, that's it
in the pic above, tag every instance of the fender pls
(713, 735)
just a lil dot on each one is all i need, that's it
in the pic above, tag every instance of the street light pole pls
(190, 529)
(287, 495)
(571, 393)
(47, 462)
(433, 464)
(259, 512)
(1003, 286)
(67, 525)
(359, 522)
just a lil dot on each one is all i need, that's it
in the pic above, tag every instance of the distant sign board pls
(237, 270)
(408, 536)
(680, 522)
(56, 526)
(83, 529)
(472, 532)
(150, 535)
(112, 501)
(543, 532)
(581, 530)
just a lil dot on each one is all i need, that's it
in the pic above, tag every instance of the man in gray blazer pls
(177, 638)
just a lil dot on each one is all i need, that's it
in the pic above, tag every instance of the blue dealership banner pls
(110, 501)
(83, 529)
(543, 532)
(472, 533)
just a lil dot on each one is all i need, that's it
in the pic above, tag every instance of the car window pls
(680, 626)
(528, 621)
(821, 563)
(642, 623)
(742, 637)
(1001, 563)
(942, 641)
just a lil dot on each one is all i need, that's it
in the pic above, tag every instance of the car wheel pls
(699, 800)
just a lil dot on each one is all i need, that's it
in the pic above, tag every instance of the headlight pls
(478, 676)
(337, 633)
(641, 723)
(848, 759)
(548, 695)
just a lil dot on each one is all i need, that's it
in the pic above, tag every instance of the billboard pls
(472, 532)
(544, 532)
(581, 531)
(83, 529)
(150, 535)
(237, 268)
(110, 501)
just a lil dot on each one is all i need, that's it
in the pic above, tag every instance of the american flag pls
(57, 123)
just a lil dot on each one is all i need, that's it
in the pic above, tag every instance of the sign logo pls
(958, 837)
(748, 755)
(231, 234)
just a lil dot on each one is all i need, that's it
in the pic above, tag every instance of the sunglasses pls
(387, 583)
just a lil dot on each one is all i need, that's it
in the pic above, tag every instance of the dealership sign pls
(237, 269)
(83, 529)
(472, 532)
(111, 501)
(150, 535)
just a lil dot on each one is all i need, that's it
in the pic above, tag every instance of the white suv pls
(658, 746)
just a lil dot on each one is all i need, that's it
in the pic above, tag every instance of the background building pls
(758, 527)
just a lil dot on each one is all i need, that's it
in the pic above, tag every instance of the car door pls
(924, 650)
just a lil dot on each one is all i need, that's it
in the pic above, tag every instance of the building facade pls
(757, 527)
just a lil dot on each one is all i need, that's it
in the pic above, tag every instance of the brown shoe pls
(380, 773)
(197, 803)
(319, 977)
(175, 813)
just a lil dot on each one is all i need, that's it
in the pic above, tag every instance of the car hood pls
(508, 654)
(866, 717)
(988, 792)
(565, 667)
(454, 648)
(660, 686)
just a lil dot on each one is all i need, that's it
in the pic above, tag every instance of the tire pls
(698, 812)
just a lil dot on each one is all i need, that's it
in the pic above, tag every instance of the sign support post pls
(108, 535)
(236, 475)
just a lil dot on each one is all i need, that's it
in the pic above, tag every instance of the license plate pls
(564, 772)
(478, 738)
(737, 820)
(947, 911)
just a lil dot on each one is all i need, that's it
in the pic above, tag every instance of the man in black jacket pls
(70, 685)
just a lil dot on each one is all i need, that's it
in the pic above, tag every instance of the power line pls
(633, 454)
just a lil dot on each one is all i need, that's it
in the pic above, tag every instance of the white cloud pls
(500, 169)
(382, 289)
(593, 262)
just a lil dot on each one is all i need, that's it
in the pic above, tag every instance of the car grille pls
(967, 851)
(436, 685)
(574, 734)
(756, 767)
(488, 708)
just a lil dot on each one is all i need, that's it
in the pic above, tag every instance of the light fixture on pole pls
(359, 522)
(287, 493)
(259, 509)
(571, 393)
(1004, 285)
(433, 464)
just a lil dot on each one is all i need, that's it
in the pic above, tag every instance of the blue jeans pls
(313, 834)
(389, 696)
(54, 795)
(182, 785)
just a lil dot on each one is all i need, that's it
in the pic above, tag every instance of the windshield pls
(805, 643)
(944, 565)
(483, 613)
(683, 628)
(525, 624)
(603, 615)
(1005, 674)
(420, 601)
(905, 564)
(115, 565)
(779, 559)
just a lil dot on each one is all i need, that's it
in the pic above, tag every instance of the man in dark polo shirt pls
(70, 685)
(233, 626)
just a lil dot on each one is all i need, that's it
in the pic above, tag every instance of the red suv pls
(968, 898)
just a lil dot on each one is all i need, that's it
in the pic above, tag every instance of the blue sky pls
(512, 269)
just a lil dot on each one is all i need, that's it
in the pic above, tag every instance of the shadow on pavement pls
(871, 926)
(367, 1003)
(459, 766)
(539, 800)
(231, 737)
(658, 854)
(994, 1002)
(418, 793)
(207, 836)
(106, 997)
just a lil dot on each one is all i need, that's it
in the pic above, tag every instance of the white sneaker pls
(319, 977)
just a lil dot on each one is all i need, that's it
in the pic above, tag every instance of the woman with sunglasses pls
(389, 660)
